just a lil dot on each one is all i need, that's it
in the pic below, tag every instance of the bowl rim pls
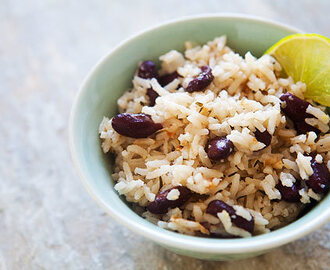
(172, 239)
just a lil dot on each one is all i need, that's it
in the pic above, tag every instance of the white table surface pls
(47, 220)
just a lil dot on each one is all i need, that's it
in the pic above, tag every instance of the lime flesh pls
(306, 58)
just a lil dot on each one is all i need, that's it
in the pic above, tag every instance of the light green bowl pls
(113, 75)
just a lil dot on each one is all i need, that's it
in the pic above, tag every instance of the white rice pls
(243, 97)
(287, 179)
(173, 195)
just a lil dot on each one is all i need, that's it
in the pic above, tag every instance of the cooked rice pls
(243, 97)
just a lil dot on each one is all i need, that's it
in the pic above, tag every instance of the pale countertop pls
(47, 219)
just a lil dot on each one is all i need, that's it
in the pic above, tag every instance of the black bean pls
(319, 181)
(152, 94)
(217, 206)
(200, 82)
(161, 204)
(290, 194)
(135, 125)
(219, 148)
(167, 78)
(147, 70)
(163, 81)
(295, 108)
(263, 137)
(302, 128)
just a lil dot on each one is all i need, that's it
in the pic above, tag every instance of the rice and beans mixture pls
(215, 144)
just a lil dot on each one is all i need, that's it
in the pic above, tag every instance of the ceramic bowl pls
(107, 81)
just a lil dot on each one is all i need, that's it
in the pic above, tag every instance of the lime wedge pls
(306, 58)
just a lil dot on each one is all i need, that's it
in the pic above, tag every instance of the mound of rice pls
(243, 97)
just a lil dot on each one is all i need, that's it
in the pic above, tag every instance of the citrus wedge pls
(306, 58)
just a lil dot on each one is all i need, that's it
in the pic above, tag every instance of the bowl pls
(107, 81)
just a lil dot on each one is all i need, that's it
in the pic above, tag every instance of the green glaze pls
(107, 82)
